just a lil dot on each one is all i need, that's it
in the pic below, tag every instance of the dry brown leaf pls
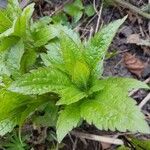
(135, 39)
(134, 65)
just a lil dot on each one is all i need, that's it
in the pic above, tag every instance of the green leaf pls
(75, 10)
(58, 30)
(97, 47)
(67, 120)
(10, 60)
(3, 67)
(12, 104)
(113, 109)
(6, 126)
(22, 22)
(96, 86)
(78, 16)
(6, 33)
(70, 32)
(70, 95)
(60, 18)
(123, 148)
(28, 60)
(33, 105)
(14, 56)
(42, 36)
(40, 81)
(50, 116)
(53, 56)
(126, 84)
(13, 9)
(31, 108)
(41, 23)
(140, 144)
(8, 42)
(5, 22)
(81, 74)
(70, 52)
(15, 142)
(89, 10)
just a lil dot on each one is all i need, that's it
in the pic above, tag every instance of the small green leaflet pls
(14, 57)
(28, 60)
(75, 10)
(89, 10)
(7, 42)
(13, 9)
(50, 115)
(11, 59)
(3, 67)
(43, 36)
(22, 22)
(4, 25)
(53, 56)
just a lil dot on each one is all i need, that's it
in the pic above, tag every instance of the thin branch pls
(132, 8)
(95, 8)
(144, 101)
(99, 18)
(99, 13)
(97, 138)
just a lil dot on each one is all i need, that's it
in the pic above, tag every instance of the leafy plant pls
(73, 70)
(21, 39)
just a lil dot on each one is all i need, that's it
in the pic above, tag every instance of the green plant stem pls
(132, 8)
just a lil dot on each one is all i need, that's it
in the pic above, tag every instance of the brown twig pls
(99, 18)
(144, 101)
(97, 138)
(132, 8)
(99, 13)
